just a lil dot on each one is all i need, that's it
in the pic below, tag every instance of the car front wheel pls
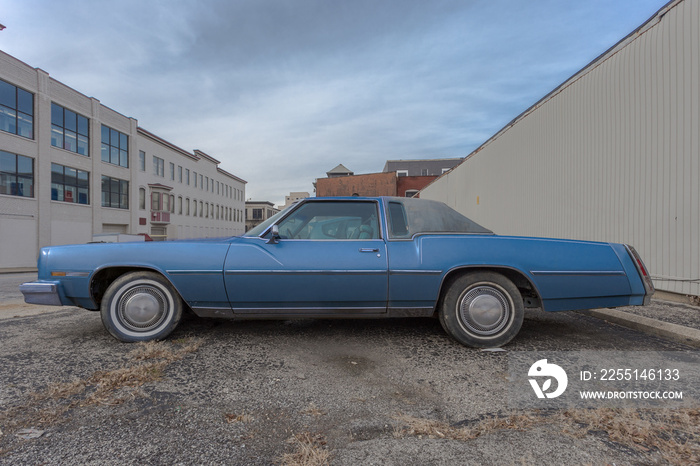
(482, 309)
(141, 306)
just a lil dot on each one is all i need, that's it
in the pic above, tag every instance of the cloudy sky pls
(281, 91)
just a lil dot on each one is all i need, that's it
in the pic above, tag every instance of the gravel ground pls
(222, 392)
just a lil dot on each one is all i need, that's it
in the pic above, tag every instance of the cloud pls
(281, 91)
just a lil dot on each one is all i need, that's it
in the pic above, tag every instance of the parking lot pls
(340, 391)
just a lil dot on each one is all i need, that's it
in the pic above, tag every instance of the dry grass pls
(243, 417)
(146, 363)
(313, 410)
(309, 450)
(672, 435)
(413, 426)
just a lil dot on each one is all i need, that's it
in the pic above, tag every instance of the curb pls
(679, 333)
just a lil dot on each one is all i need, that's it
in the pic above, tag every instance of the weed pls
(309, 450)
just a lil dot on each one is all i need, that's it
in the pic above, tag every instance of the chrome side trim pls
(578, 272)
(415, 272)
(411, 311)
(193, 272)
(45, 293)
(216, 312)
(311, 272)
(310, 310)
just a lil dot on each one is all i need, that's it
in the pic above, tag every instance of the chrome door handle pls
(369, 249)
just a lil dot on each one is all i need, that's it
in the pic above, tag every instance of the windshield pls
(258, 230)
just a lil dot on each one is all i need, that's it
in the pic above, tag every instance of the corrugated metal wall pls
(611, 155)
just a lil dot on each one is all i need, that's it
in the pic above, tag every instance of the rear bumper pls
(45, 293)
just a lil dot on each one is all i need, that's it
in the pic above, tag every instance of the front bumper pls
(45, 293)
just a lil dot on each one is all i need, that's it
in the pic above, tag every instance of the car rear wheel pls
(482, 309)
(141, 306)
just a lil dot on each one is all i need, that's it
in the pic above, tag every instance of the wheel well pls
(105, 277)
(527, 289)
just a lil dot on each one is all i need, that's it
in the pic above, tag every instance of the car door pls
(330, 258)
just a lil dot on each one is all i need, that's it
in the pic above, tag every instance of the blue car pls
(344, 258)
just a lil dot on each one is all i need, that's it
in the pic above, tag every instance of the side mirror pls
(274, 235)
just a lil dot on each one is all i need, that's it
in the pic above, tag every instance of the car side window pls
(397, 220)
(328, 220)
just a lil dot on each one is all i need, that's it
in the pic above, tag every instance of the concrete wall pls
(613, 154)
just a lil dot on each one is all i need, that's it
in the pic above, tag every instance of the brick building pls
(403, 178)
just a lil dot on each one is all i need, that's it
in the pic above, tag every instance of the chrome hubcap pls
(484, 310)
(142, 308)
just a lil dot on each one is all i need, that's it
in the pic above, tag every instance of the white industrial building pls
(71, 169)
(612, 154)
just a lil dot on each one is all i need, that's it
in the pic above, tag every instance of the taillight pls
(641, 268)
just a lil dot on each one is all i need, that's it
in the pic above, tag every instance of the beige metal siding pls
(611, 155)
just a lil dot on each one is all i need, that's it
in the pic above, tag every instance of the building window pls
(401, 172)
(172, 171)
(155, 201)
(179, 205)
(445, 170)
(201, 208)
(187, 206)
(423, 172)
(16, 110)
(172, 204)
(201, 181)
(411, 192)
(179, 173)
(194, 212)
(69, 185)
(257, 214)
(166, 201)
(195, 179)
(115, 193)
(115, 147)
(16, 174)
(142, 161)
(158, 166)
(69, 130)
(187, 176)
(142, 198)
